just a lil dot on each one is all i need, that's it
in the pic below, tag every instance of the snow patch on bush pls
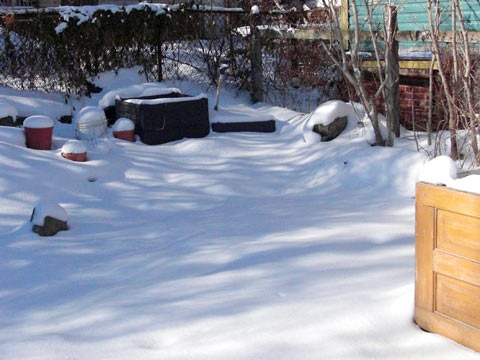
(85, 13)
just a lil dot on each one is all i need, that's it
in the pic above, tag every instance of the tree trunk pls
(391, 92)
(159, 52)
(256, 60)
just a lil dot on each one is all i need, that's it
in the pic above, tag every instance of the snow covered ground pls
(235, 246)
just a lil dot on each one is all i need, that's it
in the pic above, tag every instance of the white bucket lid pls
(124, 124)
(38, 122)
(74, 147)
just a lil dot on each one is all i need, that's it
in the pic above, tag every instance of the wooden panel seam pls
(424, 237)
(464, 269)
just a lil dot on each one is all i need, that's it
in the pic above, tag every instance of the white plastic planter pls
(90, 123)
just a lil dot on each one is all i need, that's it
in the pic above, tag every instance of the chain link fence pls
(43, 51)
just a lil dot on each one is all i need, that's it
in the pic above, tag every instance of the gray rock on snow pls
(50, 227)
(7, 121)
(330, 132)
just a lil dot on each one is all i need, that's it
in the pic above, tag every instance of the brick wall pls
(414, 106)
(414, 98)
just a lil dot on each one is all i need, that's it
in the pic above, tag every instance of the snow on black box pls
(163, 118)
(229, 119)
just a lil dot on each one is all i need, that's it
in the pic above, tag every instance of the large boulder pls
(331, 131)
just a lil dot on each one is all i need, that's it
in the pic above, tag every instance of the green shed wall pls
(413, 16)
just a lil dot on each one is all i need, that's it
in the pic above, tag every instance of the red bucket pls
(128, 135)
(38, 132)
(81, 157)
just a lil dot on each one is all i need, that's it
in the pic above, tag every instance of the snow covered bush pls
(62, 51)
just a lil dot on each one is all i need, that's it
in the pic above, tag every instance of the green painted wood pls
(413, 16)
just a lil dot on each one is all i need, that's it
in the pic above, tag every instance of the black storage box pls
(266, 126)
(163, 118)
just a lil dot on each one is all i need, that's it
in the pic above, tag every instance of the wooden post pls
(256, 59)
(392, 77)
(222, 70)
(344, 23)
(159, 50)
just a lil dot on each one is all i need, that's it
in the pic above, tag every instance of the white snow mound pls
(74, 147)
(325, 114)
(469, 183)
(7, 109)
(165, 100)
(90, 123)
(439, 171)
(12, 135)
(38, 122)
(147, 89)
(123, 124)
(48, 208)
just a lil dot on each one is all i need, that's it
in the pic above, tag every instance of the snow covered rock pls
(90, 123)
(439, 171)
(75, 150)
(325, 115)
(48, 218)
(332, 130)
(8, 113)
